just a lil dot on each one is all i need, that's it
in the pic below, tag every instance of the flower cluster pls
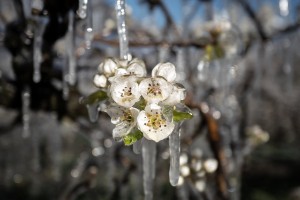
(141, 106)
(196, 169)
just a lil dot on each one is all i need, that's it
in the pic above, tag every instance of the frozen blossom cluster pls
(141, 105)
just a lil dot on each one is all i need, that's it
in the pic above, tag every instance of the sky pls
(175, 7)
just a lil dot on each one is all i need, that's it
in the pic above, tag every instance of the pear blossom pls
(177, 95)
(165, 70)
(108, 67)
(127, 88)
(153, 124)
(124, 118)
(100, 81)
(155, 90)
(125, 91)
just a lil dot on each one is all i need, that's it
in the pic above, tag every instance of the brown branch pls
(216, 146)
(181, 43)
(253, 17)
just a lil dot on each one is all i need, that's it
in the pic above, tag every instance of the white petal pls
(166, 70)
(108, 67)
(138, 70)
(100, 80)
(178, 94)
(125, 92)
(121, 130)
(155, 90)
(115, 113)
(121, 72)
(153, 125)
(134, 113)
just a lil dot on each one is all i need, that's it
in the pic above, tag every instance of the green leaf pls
(94, 97)
(132, 137)
(213, 52)
(179, 116)
(141, 104)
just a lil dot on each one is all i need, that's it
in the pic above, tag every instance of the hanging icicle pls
(70, 46)
(149, 160)
(163, 53)
(27, 8)
(37, 47)
(181, 65)
(37, 6)
(82, 9)
(93, 111)
(174, 143)
(89, 25)
(26, 112)
(121, 15)
(137, 147)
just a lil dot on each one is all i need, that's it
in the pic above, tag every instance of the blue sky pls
(175, 8)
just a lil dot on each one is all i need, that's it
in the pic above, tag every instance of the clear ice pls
(149, 159)
(174, 144)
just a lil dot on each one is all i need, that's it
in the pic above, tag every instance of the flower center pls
(126, 94)
(155, 121)
(127, 116)
(154, 89)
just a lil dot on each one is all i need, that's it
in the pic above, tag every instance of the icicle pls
(174, 143)
(82, 9)
(25, 112)
(163, 53)
(181, 65)
(37, 47)
(65, 79)
(27, 8)
(89, 25)
(149, 153)
(93, 111)
(37, 6)
(70, 46)
(137, 146)
(284, 7)
(121, 15)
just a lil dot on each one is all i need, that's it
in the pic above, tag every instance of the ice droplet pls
(82, 8)
(93, 111)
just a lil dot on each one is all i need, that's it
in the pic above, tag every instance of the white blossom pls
(165, 70)
(108, 67)
(153, 124)
(124, 118)
(125, 91)
(177, 95)
(100, 80)
(155, 90)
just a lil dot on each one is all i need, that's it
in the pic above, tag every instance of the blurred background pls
(238, 59)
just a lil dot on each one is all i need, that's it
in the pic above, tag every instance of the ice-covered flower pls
(125, 91)
(154, 124)
(124, 118)
(108, 67)
(100, 80)
(165, 70)
(155, 89)
(177, 95)
(134, 67)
